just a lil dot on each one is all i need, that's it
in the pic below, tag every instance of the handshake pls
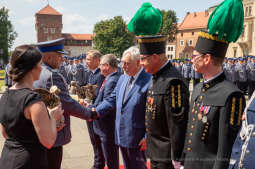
(94, 115)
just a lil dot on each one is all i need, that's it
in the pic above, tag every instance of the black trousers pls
(161, 165)
(55, 155)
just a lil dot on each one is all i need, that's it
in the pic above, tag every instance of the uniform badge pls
(199, 116)
(204, 119)
(150, 101)
(205, 109)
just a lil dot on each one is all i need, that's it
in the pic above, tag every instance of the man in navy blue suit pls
(95, 78)
(104, 127)
(129, 100)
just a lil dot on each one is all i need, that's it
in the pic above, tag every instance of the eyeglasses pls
(145, 57)
(193, 56)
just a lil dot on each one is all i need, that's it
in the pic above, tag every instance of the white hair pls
(133, 51)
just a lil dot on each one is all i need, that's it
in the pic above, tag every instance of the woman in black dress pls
(24, 120)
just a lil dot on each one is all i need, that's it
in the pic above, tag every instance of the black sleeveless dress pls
(22, 150)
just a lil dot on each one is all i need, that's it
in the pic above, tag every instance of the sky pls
(80, 16)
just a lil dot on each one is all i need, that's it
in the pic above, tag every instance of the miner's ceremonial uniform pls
(167, 103)
(166, 115)
(214, 120)
(217, 104)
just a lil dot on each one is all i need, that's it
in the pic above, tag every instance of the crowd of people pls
(142, 108)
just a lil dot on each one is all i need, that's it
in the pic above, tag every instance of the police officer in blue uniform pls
(77, 73)
(229, 70)
(242, 76)
(186, 71)
(196, 76)
(50, 76)
(178, 66)
(63, 67)
(7, 79)
(251, 76)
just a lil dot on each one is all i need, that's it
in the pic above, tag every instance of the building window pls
(45, 30)
(171, 48)
(243, 32)
(180, 55)
(168, 48)
(182, 34)
(171, 56)
(190, 42)
(52, 30)
(187, 55)
(246, 11)
(250, 10)
(192, 33)
(235, 50)
(181, 42)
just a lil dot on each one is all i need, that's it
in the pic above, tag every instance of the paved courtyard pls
(79, 153)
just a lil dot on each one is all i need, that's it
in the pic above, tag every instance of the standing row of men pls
(242, 73)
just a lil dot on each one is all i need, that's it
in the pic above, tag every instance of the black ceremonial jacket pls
(166, 115)
(215, 117)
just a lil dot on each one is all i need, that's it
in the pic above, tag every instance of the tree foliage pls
(111, 36)
(169, 25)
(7, 33)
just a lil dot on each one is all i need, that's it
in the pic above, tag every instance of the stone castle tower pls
(48, 24)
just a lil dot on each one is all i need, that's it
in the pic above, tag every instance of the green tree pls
(169, 24)
(7, 34)
(111, 36)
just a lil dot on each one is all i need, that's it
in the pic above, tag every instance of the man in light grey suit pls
(129, 100)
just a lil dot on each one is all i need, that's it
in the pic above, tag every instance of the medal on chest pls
(204, 110)
(151, 107)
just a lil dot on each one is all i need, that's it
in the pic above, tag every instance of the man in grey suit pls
(129, 100)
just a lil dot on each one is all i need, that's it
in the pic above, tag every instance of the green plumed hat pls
(146, 24)
(147, 21)
(225, 25)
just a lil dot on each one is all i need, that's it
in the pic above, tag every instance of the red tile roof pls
(77, 36)
(194, 20)
(48, 10)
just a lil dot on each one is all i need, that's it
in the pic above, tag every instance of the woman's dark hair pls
(23, 59)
